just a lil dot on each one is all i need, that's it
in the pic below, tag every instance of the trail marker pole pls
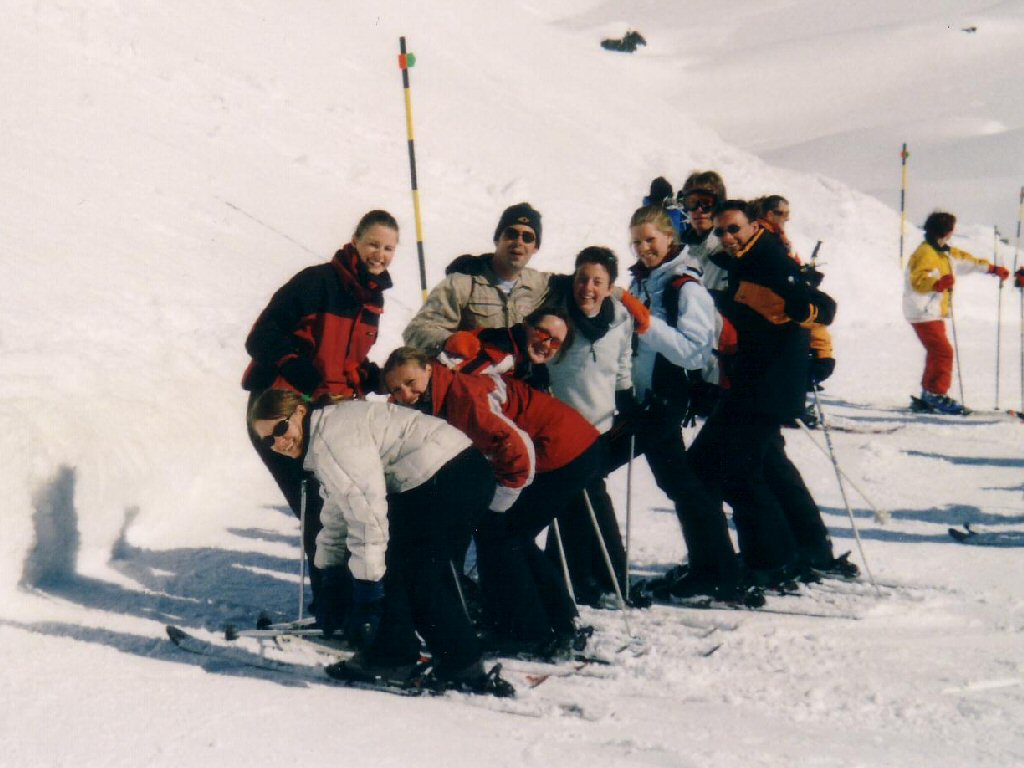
(405, 61)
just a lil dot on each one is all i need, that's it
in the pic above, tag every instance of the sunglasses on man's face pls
(513, 234)
(542, 336)
(698, 202)
(279, 431)
(732, 229)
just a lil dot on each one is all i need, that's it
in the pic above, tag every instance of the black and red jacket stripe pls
(317, 330)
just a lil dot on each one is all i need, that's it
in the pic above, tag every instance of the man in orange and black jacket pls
(740, 454)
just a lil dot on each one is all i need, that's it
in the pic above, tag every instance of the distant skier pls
(927, 293)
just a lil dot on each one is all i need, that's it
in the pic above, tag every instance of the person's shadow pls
(207, 588)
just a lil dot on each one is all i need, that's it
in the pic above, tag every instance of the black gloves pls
(333, 599)
(367, 609)
(301, 374)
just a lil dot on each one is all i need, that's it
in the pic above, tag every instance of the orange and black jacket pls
(771, 306)
(317, 330)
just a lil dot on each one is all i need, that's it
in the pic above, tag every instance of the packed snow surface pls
(166, 166)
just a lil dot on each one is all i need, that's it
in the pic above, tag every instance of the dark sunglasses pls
(732, 229)
(541, 336)
(781, 213)
(513, 234)
(279, 431)
(698, 202)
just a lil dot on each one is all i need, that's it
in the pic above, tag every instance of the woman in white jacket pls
(674, 347)
(401, 491)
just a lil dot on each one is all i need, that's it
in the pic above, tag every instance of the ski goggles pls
(732, 229)
(542, 336)
(279, 430)
(699, 201)
(513, 234)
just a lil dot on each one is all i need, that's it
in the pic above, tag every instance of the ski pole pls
(956, 352)
(608, 562)
(302, 545)
(842, 489)
(881, 517)
(903, 199)
(629, 505)
(1020, 294)
(561, 556)
(405, 61)
(999, 308)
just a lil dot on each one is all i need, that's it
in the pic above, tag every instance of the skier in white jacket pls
(402, 491)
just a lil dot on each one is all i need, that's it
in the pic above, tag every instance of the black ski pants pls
(588, 570)
(741, 457)
(659, 439)
(524, 594)
(427, 525)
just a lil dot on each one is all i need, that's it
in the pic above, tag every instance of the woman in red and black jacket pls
(314, 336)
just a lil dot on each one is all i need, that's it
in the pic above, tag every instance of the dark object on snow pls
(626, 44)
(968, 535)
(969, 29)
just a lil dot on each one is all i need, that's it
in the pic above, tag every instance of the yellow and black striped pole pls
(406, 60)
(903, 200)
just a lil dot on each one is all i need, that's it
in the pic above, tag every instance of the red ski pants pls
(938, 364)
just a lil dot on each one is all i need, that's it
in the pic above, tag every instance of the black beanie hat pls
(520, 213)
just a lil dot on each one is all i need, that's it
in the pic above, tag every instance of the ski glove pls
(332, 601)
(463, 344)
(1001, 272)
(944, 284)
(367, 608)
(641, 314)
(1018, 278)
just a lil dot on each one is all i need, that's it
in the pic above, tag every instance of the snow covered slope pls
(164, 167)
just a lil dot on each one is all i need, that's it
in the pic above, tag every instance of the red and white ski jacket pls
(518, 428)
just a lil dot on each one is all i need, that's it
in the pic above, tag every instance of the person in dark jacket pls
(740, 452)
(313, 337)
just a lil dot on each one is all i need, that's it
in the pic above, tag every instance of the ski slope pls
(166, 168)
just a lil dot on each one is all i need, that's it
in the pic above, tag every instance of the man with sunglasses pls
(496, 290)
(739, 453)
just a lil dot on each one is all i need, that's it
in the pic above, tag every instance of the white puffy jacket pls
(360, 452)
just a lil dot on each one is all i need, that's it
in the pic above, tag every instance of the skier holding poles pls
(928, 300)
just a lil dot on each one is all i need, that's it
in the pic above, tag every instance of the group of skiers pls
(517, 392)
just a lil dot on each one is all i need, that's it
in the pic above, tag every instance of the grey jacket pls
(588, 374)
